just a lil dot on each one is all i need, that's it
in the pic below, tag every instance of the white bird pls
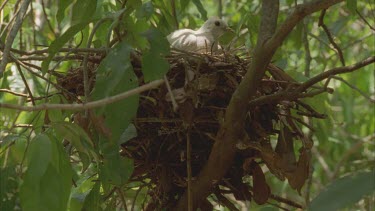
(204, 40)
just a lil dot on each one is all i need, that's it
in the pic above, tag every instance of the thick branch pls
(298, 14)
(224, 149)
(90, 105)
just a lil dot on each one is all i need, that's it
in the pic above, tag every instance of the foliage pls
(70, 160)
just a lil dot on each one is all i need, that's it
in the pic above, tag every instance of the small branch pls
(26, 84)
(173, 5)
(298, 14)
(364, 19)
(90, 105)
(353, 149)
(285, 201)
(122, 198)
(12, 35)
(86, 85)
(330, 38)
(322, 162)
(71, 50)
(307, 49)
(335, 71)
(13, 93)
(47, 19)
(354, 88)
(188, 169)
(173, 99)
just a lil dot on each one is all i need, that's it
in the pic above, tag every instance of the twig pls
(72, 50)
(330, 38)
(285, 201)
(335, 71)
(90, 105)
(355, 88)
(173, 5)
(122, 198)
(12, 35)
(307, 49)
(173, 99)
(322, 162)
(136, 196)
(353, 149)
(3, 5)
(188, 168)
(364, 19)
(26, 84)
(47, 19)
(13, 93)
(86, 85)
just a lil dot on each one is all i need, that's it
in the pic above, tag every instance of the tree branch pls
(224, 149)
(90, 105)
(298, 14)
(335, 71)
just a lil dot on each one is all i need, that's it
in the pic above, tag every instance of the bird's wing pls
(184, 39)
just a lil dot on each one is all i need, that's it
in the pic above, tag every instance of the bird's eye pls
(217, 23)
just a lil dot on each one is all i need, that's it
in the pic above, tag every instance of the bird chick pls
(204, 40)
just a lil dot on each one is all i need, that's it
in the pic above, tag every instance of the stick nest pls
(202, 86)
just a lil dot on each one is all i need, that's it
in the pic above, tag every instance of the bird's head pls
(216, 26)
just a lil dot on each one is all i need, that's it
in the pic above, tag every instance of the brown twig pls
(335, 71)
(47, 19)
(122, 198)
(90, 105)
(353, 149)
(364, 19)
(173, 99)
(174, 14)
(189, 174)
(285, 201)
(354, 88)
(26, 84)
(330, 38)
(13, 93)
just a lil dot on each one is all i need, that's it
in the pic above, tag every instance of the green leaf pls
(8, 186)
(154, 66)
(130, 132)
(79, 193)
(79, 139)
(58, 43)
(62, 5)
(352, 5)
(158, 41)
(92, 201)
(145, 11)
(344, 192)
(83, 11)
(114, 76)
(48, 171)
(115, 170)
(184, 4)
(200, 8)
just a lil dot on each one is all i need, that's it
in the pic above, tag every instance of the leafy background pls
(35, 161)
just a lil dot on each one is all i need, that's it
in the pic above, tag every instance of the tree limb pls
(224, 149)
(335, 71)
